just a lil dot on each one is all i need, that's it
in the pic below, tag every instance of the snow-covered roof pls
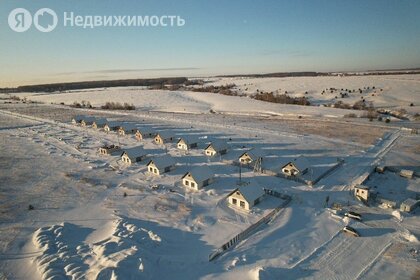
(162, 162)
(165, 134)
(251, 192)
(135, 152)
(113, 124)
(79, 118)
(88, 119)
(101, 121)
(301, 163)
(200, 173)
(362, 187)
(189, 139)
(144, 130)
(218, 145)
(410, 202)
(128, 126)
(255, 153)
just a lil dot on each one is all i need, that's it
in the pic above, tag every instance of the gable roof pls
(101, 121)
(189, 139)
(88, 119)
(200, 173)
(250, 192)
(218, 145)
(135, 152)
(128, 126)
(255, 153)
(165, 134)
(162, 162)
(301, 163)
(144, 130)
(113, 124)
(79, 118)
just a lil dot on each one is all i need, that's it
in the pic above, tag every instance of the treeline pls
(99, 84)
(279, 75)
(281, 98)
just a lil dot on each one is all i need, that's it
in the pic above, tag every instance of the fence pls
(248, 231)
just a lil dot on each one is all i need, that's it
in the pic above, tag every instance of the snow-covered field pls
(97, 218)
(391, 92)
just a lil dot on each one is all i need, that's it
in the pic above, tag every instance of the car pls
(353, 215)
(351, 231)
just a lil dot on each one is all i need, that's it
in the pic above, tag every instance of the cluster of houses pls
(244, 197)
(366, 194)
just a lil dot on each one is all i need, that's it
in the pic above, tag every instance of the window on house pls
(242, 204)
(192, 184)
(187, 183)
(234, 201)
(156, 171)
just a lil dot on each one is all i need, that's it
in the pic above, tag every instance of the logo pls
(45, 20)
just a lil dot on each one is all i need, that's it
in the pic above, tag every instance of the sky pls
(219, 37)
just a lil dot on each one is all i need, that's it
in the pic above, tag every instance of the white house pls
(409, 205)
(246, 197)
(109, 149)
(160, 165)
(142, 133)
(252, 156)
(112, 126)
(99, 123)
(134, 154)
(187, 142)
(362, 192)
(127, 128)
(216, 147)
(164, 137)
(296, 167)
(198, 177)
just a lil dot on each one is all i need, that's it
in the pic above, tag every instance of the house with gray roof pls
(164, 137)
(252, 155)
(216, 147)
(198, 177)
(133, 154)
(187, 142)
(160, 165)
(246, 197)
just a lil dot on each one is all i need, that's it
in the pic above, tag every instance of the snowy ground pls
(84, 227)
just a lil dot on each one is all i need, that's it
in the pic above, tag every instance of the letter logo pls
(45, 20)
(20, 20)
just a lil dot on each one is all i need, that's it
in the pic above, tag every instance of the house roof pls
(200, 173)
(251, 192)
(361, 187)
(144, 130)
(79, 118)
(410, 202)
(255, 153)
(189, 139)
(135, 152)
(218, 145)
(165, 134)
(101, 121)
(113, 124)
(88, 119)
(302, 163)
(128, 126)
(162, 162)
